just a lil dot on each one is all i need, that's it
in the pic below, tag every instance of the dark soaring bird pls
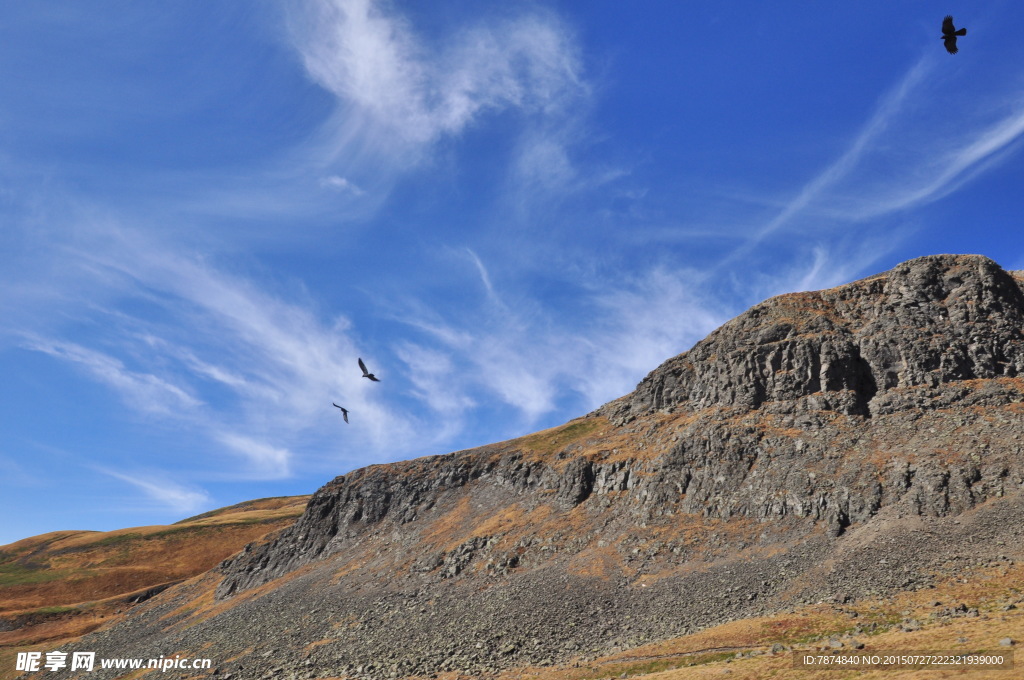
(344, 412)
(367, 374)
(949, 34)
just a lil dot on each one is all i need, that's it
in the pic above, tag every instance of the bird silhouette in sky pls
(366, 373)
(949, 34)
(344, 412)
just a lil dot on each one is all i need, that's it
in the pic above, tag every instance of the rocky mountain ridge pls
(845, 442)
(919, 337)
(926, 323)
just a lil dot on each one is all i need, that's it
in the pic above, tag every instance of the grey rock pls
(910, 625)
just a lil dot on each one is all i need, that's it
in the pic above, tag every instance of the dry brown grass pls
(603, 563)
(448, 530)
(504, 521)
(576, 433)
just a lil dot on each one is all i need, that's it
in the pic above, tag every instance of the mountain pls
(838, 445)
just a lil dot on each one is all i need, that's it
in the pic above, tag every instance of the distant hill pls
(60, 585)
(818, 468)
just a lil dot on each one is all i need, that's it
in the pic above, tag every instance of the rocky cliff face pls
(927, 323)
(775, 462)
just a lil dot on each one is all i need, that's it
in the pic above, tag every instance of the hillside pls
(61, 585)
(835, 446)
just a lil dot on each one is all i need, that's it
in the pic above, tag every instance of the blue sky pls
(512, 211)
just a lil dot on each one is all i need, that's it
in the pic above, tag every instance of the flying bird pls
(366, 373)
(344, 412)
(949, 34)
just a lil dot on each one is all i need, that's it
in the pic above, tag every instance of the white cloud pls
(840, 169)
(495, 356)
(543, 161)
(905, 155)
(533, 362)
(158, 487)
(485, 278)
(646, 320)
(341, 184)
(437, 383)
(394, 87)
(263, 461)
(822, 267)
(144, 391)
(943, 171)
(252, 371)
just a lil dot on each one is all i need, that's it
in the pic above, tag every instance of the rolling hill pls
(58, 586)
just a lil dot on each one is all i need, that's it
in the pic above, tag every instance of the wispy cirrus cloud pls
(377, 66)
(904, 156)
(524, 356)
(182, 340)
(434, 375)
(950, 164)
(814, 193)
(263, 365)
(144, 391)
(485, 277)
(341, 184)
(262, 460)
(399, 93)
(645, 319)
(158, 487)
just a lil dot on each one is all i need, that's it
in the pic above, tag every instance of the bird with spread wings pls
(366, 373)
(949, 34)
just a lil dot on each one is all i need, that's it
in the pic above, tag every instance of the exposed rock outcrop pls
(927, 322)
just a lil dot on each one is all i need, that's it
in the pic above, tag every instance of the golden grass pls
(92, 565)
(448, 530)
(545, 444)
(603, 563)
(504, 521)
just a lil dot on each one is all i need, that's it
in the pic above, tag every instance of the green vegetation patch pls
(556, 440)
(13, 574)
(182, 531)
(261, 520)
(136, 536)
(54, 610)
(114, 540)
(197, 530)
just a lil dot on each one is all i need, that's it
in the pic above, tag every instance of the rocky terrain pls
(830, 445)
